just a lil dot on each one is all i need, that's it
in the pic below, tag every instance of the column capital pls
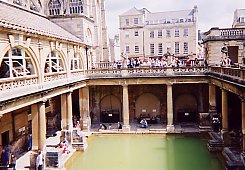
(242, 98)
(169, 84)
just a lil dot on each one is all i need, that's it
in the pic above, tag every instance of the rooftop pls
(18, 19)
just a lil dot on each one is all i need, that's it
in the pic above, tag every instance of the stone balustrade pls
(225, 34)
(31, 84)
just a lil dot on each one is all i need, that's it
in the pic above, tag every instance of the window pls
(136, 33)
(181, 20)
(151, 34)
(127, 49)
(54, 7)
(127, 34)
(136, 49)
(136, 20)
(159, 33)
(76, 63)
(176, 33)
(54, 63)
(160, 49)
(168, 33)
(16, 63)
(127, 21)
(185, 48)
(76, 6)
(176, 45)
(152, 49)
(185, 32)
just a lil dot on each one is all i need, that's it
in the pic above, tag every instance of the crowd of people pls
(161, 62)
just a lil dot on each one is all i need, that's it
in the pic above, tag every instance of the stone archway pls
(147, 105)
(186, 109)
(110, 109)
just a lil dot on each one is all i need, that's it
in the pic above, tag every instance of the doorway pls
(233, 53)
(5, 138)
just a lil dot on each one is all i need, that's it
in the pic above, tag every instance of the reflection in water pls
(143, 152)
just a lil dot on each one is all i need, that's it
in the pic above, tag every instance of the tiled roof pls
(169, 15)
(18, 19)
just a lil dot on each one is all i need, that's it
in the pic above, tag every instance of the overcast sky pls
(212, 13)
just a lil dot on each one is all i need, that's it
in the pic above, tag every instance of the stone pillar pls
(85, 108)
(81, 106)
(212, 99)
(126, 126)
(69, 111)
(64, 122)
(170, 114)
(41, 126)
(224, 111)
(34, 122)
(243, 123)
(224, 131)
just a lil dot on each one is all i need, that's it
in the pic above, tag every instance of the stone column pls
(69, 111)
(243, 123)
(34, 122)
(64, 122)
(85, 108)
(170, 114)
(224, 111)
(41, 126)
(126, 126)
(81, 106)
(212, 99)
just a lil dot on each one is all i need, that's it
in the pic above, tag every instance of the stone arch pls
(110, 109)
(147, 103)
(186, 108)
(89, 36)
(78, 60)
(58, 66)
(31, 65)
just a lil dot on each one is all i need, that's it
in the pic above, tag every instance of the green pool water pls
(145, 152)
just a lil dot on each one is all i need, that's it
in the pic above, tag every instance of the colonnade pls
(224, 110)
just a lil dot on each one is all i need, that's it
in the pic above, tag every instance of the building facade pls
(146, 34)
(239, 18)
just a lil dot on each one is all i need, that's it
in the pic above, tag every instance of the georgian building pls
(152, 34)
(239, 18)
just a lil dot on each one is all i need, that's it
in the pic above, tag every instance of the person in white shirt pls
(39, 160)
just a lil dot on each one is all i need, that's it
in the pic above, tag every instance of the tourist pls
(119, 125)
(143, 123)
(102, 127)
(39, 160)
(78, 124)
(13, 161)
(5, 159)
(109, 126)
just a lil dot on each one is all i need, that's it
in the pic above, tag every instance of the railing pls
(31, 82)
(226, 34)
(9, 84)
(54, 76)
(235, 73)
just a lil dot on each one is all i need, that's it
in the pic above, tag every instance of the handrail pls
(29, 81)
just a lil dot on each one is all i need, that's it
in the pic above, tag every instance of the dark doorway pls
(233, 53)
(5, 138)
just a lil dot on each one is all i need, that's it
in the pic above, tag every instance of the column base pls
(170, 129)
(126, 128)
